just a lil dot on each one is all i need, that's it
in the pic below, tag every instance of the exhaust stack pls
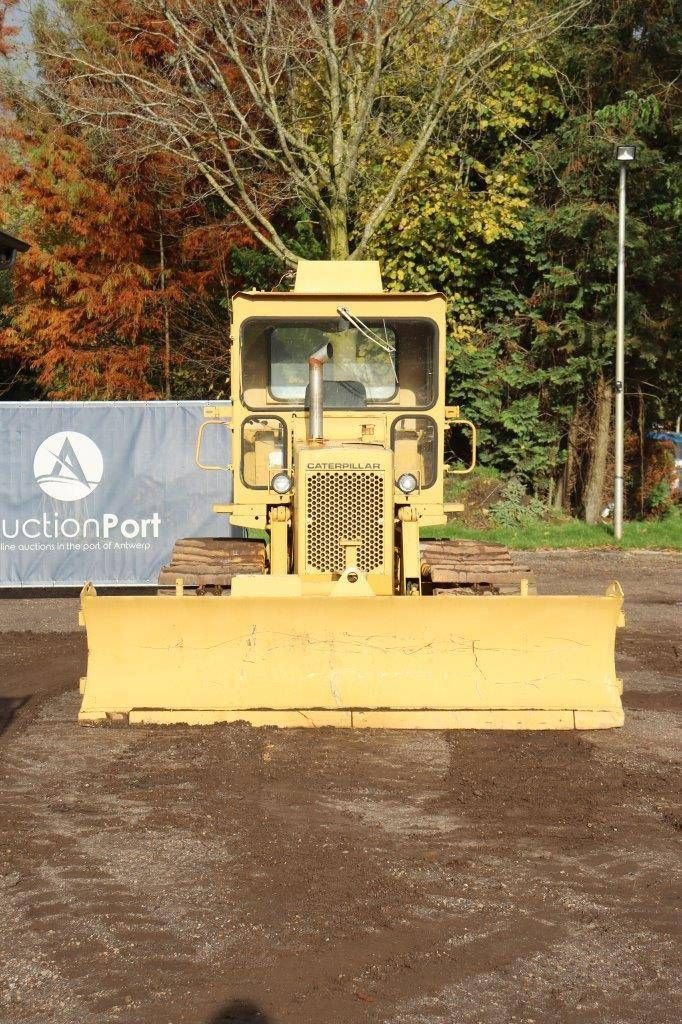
(316, 363)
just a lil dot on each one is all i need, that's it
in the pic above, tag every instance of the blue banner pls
(101, 491)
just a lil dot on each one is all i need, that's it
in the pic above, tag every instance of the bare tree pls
(274, 101)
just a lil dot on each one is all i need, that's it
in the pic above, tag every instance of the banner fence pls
(101, 491)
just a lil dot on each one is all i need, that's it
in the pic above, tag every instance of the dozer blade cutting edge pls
(502, 662)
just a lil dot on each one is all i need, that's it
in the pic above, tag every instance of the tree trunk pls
(166, 317)
(571, 461)
(557, 502)
(596, 476)
(641, 451)
(337, 232)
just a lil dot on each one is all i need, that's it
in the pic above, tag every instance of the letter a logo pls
(68, 466)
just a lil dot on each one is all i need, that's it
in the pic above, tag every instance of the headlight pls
(281, 483)
(407, 483)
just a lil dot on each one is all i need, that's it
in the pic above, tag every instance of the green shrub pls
(660, 499)
(515, 507)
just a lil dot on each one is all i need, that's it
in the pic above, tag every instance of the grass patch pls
(662, 534)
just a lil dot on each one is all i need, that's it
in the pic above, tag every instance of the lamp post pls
(624, 155)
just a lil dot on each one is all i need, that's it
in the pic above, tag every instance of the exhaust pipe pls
(316, 363)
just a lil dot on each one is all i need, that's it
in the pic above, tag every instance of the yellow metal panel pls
(463, 720)
(361, 427)
(353, 584)
(217, 412)
(599, 719)
(279, 542)
(265, 586)
(322, 584)
(338, 277)
(398, 653)
(410, 557)
(247, 510)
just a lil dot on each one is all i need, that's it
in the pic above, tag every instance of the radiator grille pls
(343, 506)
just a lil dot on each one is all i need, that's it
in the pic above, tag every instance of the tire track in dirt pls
(35, 667)
(115, 938)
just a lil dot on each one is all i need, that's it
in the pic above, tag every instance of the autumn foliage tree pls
(273, 103)
(121, 292)
(8, 31)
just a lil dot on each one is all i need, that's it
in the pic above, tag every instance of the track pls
(207, 564)
(453, 567)
(471, 567)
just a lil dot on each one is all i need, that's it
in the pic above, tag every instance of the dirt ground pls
(230, 874)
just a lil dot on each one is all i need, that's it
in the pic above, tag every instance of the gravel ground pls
(229, 874)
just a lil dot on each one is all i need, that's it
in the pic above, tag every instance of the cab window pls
(375, 362)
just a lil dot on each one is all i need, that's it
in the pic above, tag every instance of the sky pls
(19, 16)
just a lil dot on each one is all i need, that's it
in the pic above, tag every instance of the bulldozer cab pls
(346, 449)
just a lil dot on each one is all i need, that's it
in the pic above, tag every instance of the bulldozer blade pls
(508, 662)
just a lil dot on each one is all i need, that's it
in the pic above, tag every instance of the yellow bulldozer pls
(344, 616)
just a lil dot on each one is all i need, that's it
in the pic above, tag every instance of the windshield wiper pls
(364, 330)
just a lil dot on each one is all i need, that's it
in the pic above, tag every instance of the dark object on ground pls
(240, 1012)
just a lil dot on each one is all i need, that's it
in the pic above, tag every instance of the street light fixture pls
(624, 155)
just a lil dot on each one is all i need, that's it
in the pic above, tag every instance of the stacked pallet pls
(203, 562)
(468, 566)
